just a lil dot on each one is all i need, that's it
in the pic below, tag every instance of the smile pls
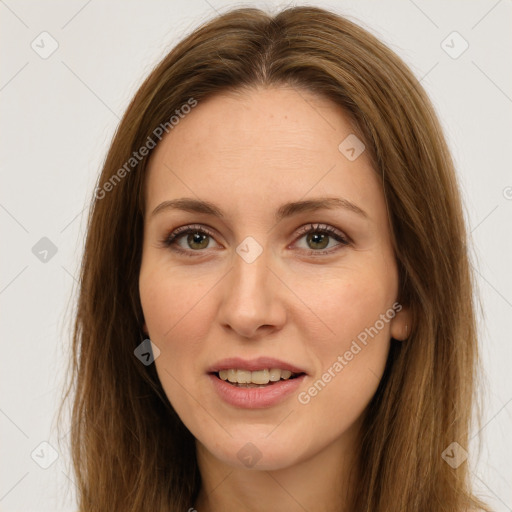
(249, 395)
(259, 378)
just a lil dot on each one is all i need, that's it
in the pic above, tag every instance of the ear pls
(401, 324)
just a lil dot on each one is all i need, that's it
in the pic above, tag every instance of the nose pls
(252, 298)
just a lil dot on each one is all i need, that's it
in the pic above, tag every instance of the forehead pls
(263, 142)
(240, 123)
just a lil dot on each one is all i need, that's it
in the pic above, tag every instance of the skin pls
(248, 153)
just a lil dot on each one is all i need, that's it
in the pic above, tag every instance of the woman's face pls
(267, 280)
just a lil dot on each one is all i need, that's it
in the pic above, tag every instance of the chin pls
(250, 452)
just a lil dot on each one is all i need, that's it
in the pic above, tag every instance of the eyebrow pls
(284, 211)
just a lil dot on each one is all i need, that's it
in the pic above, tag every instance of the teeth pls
(275, 374)
(260, 377)
(243, 376)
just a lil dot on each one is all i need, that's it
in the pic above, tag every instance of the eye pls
(317, 238)
(195, 238)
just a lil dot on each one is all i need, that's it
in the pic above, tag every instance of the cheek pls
(353, 348)
(172, 304)
(177, 317)
(344, 302)
(178, 314)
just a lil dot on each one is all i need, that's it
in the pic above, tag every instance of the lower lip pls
(255, 398)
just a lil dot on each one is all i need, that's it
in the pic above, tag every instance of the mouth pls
(255, 383)
(255, 379)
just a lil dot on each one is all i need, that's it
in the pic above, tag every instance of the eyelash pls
(170, 240)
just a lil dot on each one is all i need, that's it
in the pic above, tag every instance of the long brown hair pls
(130, 450)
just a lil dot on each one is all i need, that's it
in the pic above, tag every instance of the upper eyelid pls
(319, 226)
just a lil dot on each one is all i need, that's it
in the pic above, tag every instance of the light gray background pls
(59, 114)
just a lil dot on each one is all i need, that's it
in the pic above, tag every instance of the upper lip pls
(259, 363)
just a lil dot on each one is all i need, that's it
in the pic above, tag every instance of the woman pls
(276, 304)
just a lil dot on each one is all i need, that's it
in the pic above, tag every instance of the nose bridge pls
(250, 273)
(250, 297)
